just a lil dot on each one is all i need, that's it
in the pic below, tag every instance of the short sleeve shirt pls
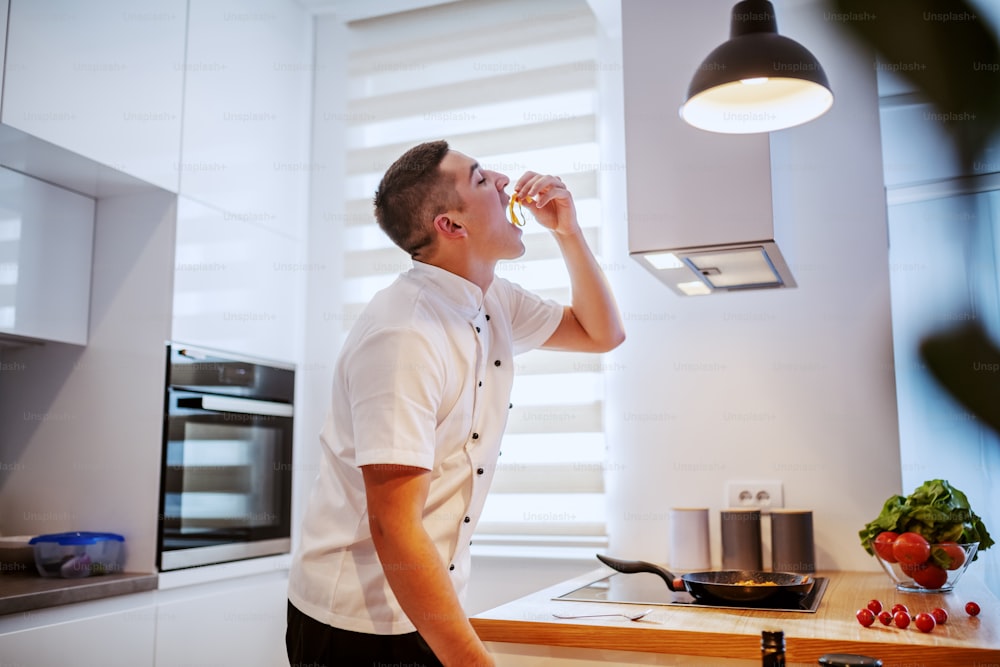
(424, 379)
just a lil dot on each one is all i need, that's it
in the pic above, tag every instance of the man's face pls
(485, 213)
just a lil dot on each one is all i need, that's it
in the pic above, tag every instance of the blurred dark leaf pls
(967, 363)
(943, 47)
(950, 54)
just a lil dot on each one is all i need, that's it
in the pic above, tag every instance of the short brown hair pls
(412, 192)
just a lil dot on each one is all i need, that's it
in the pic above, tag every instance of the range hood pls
(701, 216)
(713, 269)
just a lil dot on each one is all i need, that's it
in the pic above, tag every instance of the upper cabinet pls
(103, 80)
(46, 241)
(242, 215)
(245, 148)
(236, 284)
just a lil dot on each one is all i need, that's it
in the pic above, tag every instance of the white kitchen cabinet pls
(101, 79)
(242, 624)
(118, 639)
(239, 621)
(245, 142)
(46, 245)
(237, 284)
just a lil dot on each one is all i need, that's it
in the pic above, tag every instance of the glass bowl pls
(931, 577)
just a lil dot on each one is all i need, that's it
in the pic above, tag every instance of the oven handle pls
(244, 405)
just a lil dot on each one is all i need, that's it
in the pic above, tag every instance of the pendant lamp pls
(758, 81)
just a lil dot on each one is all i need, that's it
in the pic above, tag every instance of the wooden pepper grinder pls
(772, 648)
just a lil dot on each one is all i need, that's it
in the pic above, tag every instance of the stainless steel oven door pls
(226, 479)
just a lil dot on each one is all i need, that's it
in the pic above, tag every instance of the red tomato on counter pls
(924, 622)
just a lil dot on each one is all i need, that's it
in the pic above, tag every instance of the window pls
(512, 83)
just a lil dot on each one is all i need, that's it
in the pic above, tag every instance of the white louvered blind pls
(513, 84)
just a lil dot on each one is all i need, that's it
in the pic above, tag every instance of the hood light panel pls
(694, 288)
(664, 261)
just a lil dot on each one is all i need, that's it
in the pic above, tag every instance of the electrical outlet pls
(762, 495)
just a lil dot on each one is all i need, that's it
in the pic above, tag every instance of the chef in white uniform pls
(420, 400)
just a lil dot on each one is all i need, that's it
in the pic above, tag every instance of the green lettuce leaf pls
(936, 510)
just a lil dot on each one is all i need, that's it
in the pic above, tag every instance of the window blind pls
(513, 84)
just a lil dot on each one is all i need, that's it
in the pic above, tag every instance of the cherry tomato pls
(930, 576)
(901, 619)
(875, 606)
(940, 615)
(885, 618)
(883, 545)
(948, 555)
(911, 548)
(924, 622)
(899, 607)
(865, 616)
(972, 609)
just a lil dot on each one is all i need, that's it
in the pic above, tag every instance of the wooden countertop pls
(735, 633)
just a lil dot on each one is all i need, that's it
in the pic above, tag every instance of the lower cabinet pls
(219, 624)
(117, 639)
(242, 626)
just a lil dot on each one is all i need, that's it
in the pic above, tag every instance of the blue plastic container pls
(78, 554)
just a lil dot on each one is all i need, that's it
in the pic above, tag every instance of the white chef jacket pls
(423, 380)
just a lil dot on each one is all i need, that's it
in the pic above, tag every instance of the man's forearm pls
(426, 594)
(592, 303)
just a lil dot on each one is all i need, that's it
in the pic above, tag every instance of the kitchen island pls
(525, 633)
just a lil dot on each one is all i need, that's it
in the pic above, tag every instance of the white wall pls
(497, 580)
(794, 385)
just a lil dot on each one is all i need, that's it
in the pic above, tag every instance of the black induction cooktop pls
(649, 589)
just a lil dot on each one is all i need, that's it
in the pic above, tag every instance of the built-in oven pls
(226, 473)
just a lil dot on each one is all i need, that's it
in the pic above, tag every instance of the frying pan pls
(721, 585)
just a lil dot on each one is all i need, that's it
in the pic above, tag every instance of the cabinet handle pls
(245, 405)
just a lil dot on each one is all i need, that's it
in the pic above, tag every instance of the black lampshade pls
(757, 81)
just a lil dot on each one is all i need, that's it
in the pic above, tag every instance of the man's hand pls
(550, 202)
(592, 322)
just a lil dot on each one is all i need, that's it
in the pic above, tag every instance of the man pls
(420, 400)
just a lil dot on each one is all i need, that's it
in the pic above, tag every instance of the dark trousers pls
(314, 644)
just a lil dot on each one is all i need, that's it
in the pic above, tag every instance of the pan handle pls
(632, 566)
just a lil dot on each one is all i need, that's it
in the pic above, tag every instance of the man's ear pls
(448, 227)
